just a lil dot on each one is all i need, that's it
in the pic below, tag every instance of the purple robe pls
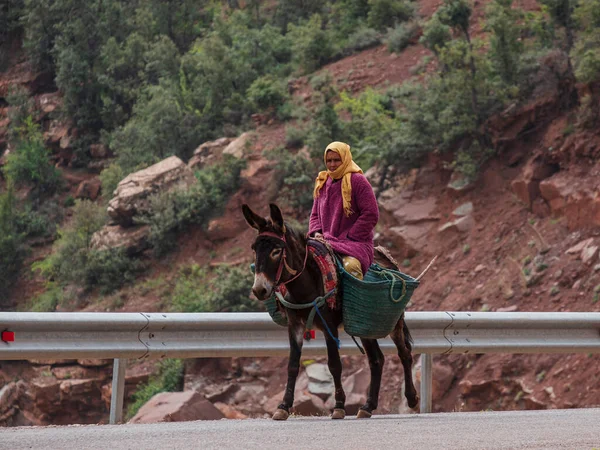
(352, 235)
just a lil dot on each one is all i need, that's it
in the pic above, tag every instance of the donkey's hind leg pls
(376, 361)
(403, 340)
(335, 367)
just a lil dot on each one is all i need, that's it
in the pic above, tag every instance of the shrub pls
(110, 269)
(12, 251)
(68, 261)
(172, 212)
(225, 289)
(294, 137)
(399, 37)
(267, 92)
(362, 39)
(387, 13)
(48, 300)
(30, 162)
(311, 45)
(41, 221)
(110, 178)
(168, 379)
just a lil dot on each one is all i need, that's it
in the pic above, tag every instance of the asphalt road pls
(556, 429)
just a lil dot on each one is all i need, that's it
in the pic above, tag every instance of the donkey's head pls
(269, 249)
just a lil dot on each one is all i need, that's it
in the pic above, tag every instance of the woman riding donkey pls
(345, 210)
(344, 213)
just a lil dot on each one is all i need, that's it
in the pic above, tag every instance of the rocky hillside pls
(523, 236)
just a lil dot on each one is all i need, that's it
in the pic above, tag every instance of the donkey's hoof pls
(414, 403)
(281, 414)
(363, 414)
(338, 413)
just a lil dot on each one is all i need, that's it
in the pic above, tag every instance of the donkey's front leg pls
(376, 361)
(335, 367)
(296, 336)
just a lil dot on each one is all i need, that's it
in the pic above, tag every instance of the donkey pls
(282, 258)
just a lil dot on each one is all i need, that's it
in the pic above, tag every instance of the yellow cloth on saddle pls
(345, 171)
(352, 266)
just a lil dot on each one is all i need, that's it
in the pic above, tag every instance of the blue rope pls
(337, 341)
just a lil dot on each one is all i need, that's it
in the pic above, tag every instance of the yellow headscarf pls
(345, 171)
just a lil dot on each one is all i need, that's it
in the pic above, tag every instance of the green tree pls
(30, 162)
(505, 40)
(12, 251)
(388, 13)
(586, 57)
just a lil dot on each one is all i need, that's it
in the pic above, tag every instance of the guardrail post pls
(118, 391)
(426, 382)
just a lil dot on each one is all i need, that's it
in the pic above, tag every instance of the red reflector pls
(8, 336)
(309, 334)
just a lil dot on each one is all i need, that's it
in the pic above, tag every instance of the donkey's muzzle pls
(262, 288)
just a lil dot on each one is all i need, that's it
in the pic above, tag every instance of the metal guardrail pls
(193, 335)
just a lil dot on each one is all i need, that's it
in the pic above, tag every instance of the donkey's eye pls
(275, 253)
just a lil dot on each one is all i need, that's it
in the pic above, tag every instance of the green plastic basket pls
(278, 317)
(271, 304)
(372, 307)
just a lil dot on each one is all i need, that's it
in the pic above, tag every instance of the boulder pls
(574, 197)
(134, 239)
(229, 411)
(320, 380)
(463, 210)
(177, 407)
(132, 194)
(527, 186)
(89, 189)
(208, 152)
(460, 225)
(236, 147)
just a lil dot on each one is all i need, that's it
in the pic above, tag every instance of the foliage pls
(161, 126)
(171, 212)
(12, 251)
(370, 126)
(324, 126)
(168, 379)
(73, 261)
(388, 13)
(561, 12)
(39, 220)
(267, 92)
(225, 289)
(29, 163)
(586, 57)
(110, 179)
(399, 37)
(361, 39)
(21, 107)
(110, 269)
(505, 41)
(48, 300)
(435, 34)
(311, 45)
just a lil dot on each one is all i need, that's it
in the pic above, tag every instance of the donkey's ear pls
(277, 217)
(253, 219)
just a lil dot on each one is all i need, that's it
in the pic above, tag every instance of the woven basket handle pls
(393, 278)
